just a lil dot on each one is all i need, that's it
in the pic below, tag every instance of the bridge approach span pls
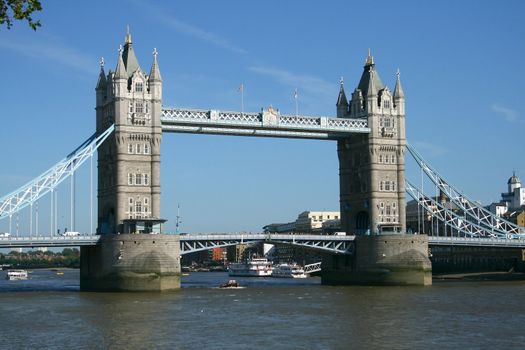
(197, 242)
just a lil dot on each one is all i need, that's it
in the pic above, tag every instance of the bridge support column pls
(381, 260)
(131, 262)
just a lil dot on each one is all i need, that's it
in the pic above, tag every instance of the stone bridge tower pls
(132, 255)
(129, 161)
(372, 191)
(372, 166)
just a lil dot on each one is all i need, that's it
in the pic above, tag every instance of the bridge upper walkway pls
(265, 124)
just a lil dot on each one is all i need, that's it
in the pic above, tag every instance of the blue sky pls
(461, 67)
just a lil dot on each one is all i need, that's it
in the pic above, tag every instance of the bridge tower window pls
(146, 148)
(131, 179)
(130, 148)
(138, 179)
(139, 107)
(130, 107)
(139, 87)
(139, 148)
(146, 182)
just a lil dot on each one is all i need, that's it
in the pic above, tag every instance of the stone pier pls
(396, 259)
(131, 262)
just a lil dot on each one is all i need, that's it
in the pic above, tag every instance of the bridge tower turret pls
(129, 163)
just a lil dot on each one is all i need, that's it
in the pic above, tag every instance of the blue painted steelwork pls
(49, 180)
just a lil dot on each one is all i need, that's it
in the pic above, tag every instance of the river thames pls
(48, 311)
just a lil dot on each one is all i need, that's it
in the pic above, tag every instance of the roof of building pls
(370, 79)
(128, 56)
(514, 180)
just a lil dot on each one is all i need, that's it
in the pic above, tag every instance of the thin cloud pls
(429, 149)
(307, 83)
(188, 29)
(52, 52)
(508, 114)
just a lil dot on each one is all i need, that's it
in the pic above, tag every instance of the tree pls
(19, 10)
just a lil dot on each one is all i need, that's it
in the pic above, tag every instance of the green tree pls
(19, 10)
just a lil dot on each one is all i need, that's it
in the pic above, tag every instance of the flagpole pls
(241, 89)
(295, 95)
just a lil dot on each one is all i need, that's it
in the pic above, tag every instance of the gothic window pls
(130, 107)
(130, 200)
(146, 148)
(146, 107)
(387, 185)
(393, 185)
(380, 158)
(139, 107)
(388, 210)
(130, 179)
(146, 201)
(130, 148)
(393, 204)
(138, 207)
(381, 186)
(393, 159)
(139, 148)
(138, 179)
(138, 87)
(146, 181)
(387, 123)
(386, 104)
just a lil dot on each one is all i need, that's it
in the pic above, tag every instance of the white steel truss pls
(311, 268)
(49, 180)
(267, 124)
(473, 211)
(334, 244)
(462, 226)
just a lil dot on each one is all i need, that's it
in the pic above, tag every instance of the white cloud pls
(508, 114)
(303, 82)
(429, 149)
(53, 52)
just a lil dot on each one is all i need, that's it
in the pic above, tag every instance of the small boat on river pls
(231, 284)
(14, 275)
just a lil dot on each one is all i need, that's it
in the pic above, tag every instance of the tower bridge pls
(371, 145)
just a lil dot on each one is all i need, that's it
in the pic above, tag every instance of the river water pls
(48, 311)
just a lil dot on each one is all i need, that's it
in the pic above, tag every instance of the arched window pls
(138, 179)
(130, 148)
(139, 87)
(381, 186)
(130, 179)
(139, 148)
(146, 182)
(146, 148)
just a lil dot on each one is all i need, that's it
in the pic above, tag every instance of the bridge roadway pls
(197, 242)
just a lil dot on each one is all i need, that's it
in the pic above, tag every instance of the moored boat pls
(254, 267)
(16, 275)
(288, 271)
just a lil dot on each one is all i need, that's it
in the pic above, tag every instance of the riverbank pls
(481, 276)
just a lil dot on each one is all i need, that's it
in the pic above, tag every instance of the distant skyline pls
(460, 66)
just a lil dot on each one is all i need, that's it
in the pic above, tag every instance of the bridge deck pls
(197, 242)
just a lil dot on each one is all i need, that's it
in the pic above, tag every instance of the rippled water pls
(49, 311)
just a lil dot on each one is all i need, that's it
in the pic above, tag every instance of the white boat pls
(16, 275)
(288, 271)
(254, 267)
